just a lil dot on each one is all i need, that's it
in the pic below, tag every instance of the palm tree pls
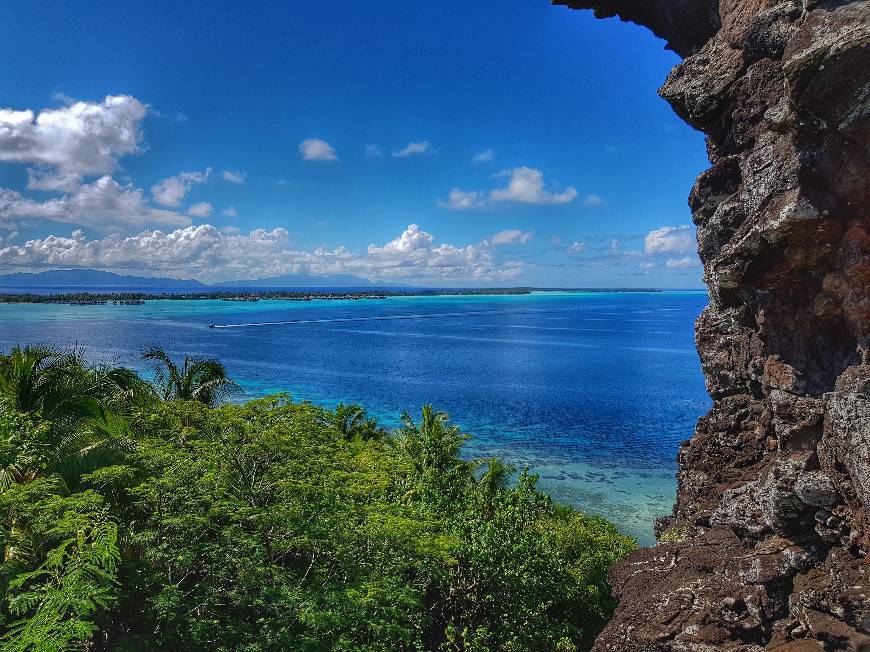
(493, 481)
(434, 445)
(56, 422)
(352, 422)
(496, 476)
(39, 380)
(122, 389)
(197, 379)
(68, 407)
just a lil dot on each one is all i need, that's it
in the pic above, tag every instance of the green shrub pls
(272, 525)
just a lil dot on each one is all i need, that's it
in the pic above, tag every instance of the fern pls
(56, 601)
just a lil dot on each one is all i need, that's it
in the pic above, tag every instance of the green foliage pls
(352, 421)
(57, 600)
(196, 379)
(274, 525)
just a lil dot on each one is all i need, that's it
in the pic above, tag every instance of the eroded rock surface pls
(767, 547)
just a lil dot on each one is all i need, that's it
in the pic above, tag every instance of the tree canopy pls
(166, 519)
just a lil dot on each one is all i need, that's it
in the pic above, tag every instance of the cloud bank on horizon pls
(400, 192)
(64, 148)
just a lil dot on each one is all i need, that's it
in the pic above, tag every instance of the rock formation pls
(768, 542)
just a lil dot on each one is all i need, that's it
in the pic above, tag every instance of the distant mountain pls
(302, 281)
(90, 278)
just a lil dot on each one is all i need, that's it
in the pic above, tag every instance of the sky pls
(431, 143)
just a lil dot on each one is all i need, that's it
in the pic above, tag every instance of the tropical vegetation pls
(154, 515)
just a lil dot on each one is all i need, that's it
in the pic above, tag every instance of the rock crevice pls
(767, 547)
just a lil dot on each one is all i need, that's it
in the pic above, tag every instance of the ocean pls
(593, 391)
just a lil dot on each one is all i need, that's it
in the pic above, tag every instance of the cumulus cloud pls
(66, 145)
(234, 176)
(412, 238)
(201, 209)
(171, 191)
(422, 147)
(511, 236)
(669, 240)
(190, 251)
(209, 254)
(460, 200)
(576, 247)
(104, 205)
(230, 211)
(315, 149)
(647, 265)
(483, 157)
(526, 186)
(373, 151)
(686, 262)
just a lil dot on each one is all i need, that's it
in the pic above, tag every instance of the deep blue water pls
(593, 391)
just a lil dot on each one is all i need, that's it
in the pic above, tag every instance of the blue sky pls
(431, 143)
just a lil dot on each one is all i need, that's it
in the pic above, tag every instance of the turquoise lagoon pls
(592, 391)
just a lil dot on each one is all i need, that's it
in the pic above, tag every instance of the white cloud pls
(104, 205)
(373, 151)
(464, 200)
(412, 238)
(171, 191)
(73, 142)
(526, 186)
(687, 262)
(647, 265)
(422, 147)
(201, 209)
(315, 149)
(230, 211)
(511, 236)
(593, 200)
(669, 240)
(234, 176)
(65, 148)
(43, 178)
(209, 254)
(576, 247)
(483, 157)
(192, 251)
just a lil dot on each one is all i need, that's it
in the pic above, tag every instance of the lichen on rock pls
(773, 506)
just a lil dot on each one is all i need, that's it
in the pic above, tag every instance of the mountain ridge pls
(88, 277)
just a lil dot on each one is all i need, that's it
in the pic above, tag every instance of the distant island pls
(96, 287)
(90, 278)
(302, 280)
(98, 278)
(89, 297)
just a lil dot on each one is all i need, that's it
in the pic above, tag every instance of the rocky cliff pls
(768, 542)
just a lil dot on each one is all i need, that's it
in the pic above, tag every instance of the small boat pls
(211, 325)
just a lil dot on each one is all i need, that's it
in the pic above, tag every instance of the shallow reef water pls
(592, 391)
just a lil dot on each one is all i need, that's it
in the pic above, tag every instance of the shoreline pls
(88, 297)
